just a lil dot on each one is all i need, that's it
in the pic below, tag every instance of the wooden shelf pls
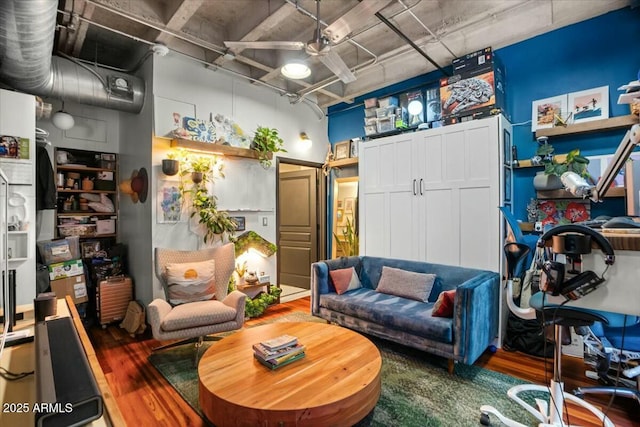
(82, 168)
(343, 162)
(563, 194)
(225, 150)
(63, 214)
(71, 190)
(594, 126)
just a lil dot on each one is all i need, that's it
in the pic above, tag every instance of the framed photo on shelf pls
(341, 150)
(241, 221)
(591, 104)
(353, 152)
(348, 204)
(544, 111)
(339, 216)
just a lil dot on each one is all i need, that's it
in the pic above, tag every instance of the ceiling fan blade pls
(353, 19)
(265, 45)
(333, 62)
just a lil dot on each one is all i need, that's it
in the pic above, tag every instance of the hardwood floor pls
(146, 399)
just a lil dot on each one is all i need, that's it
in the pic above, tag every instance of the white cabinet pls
(433, 195)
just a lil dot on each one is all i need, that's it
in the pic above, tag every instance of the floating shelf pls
(563, 194)
(594, 126)
(225, 150)
(343, 162)
(81, 168)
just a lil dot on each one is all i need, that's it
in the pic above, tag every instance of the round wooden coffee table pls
(336, 383)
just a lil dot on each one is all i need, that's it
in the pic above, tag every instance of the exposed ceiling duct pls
(26, 40)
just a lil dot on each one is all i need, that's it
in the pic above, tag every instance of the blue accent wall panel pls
(602, 51)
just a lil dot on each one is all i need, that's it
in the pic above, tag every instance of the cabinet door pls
(386, 191)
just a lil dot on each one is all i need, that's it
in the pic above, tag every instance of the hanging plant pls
(266, 141)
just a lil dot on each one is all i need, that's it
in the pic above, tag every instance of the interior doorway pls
(300, 224)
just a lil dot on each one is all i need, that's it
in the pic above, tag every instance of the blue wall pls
(598, 52)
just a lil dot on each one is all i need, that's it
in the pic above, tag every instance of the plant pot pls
(196, 177)
(542, 182)
(170, 167)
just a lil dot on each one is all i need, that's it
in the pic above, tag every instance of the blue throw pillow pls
(435, 290)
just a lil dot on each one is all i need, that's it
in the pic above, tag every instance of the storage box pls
(105, 226)
(55, 251)
(476, 90)
(389, 101)
(386, 125)
(65, 269)
(371, 103)
(75, 286)
(80, 230)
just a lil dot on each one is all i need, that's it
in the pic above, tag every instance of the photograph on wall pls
(341, 150)
(339, 216)
(544, 112)
(507, 157)
(169, 202)
(348, 204)
(240, 222)
(589, 105)
(560, 212)
(507, 185)
(14, 147)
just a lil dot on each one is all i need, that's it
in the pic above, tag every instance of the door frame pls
(321, 207)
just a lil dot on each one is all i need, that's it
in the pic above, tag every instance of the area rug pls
(417, 389)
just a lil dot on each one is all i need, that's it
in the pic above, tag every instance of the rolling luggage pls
(113, 295)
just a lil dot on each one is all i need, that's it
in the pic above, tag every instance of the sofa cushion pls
(345, 279)
(444, 305)
(407, 284)
(190, 281)
(195, 314)
(391, 312)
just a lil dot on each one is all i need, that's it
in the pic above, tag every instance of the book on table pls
(281, 361)
(262, 352)
(279, 342)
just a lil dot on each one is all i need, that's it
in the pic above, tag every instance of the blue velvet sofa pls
(462, 338)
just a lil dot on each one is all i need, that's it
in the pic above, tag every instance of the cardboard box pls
(74, 286)
(476, 90)
(65, 269)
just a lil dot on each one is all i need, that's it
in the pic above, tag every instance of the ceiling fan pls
(321, 43)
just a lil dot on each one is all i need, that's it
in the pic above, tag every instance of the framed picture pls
(348, 204)
(241, 221)
(169, 202)
(339, 204)
(507, 157)
(339, 216)
(591, 104)
(341, 150)
(354, 148)
(507, 185)
(544, 111)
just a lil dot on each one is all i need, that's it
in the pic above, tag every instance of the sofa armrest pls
(157, 310)
(476, 315)
(319, 284)
(236, 299)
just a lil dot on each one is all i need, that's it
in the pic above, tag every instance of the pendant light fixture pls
(62, 120)
(296, 70)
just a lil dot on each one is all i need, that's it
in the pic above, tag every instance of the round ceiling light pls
(62, 120)
(295, 70)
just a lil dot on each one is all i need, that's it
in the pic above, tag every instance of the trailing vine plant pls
(216, 223)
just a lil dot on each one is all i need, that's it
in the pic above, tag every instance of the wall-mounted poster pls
(169, 202)
(15, 159)
(590, 104)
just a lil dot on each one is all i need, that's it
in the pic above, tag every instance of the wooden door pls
(298, 226)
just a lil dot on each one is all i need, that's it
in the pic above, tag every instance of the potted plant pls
(170, 165)
(199, 167)
(349, 244)
(216, 222)
(266, 141)
(549, 179)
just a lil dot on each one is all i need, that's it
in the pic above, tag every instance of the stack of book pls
(279, 351)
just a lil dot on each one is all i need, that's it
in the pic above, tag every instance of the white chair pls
(548, 412)
(193, 321)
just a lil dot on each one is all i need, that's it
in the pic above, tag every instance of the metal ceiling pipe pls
(27, 30)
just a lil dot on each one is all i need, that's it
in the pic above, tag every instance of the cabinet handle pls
(415, 192)
(421, 186)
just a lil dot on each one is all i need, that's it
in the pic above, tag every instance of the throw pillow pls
(345, 279)
(444, 305)
(406, 284)
(190, 281)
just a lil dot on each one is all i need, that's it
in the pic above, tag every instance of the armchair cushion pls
(406, 284)
(190, 281)
(345, 279)
(195, 314)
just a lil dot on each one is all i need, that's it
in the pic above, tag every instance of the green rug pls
(417, 390)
